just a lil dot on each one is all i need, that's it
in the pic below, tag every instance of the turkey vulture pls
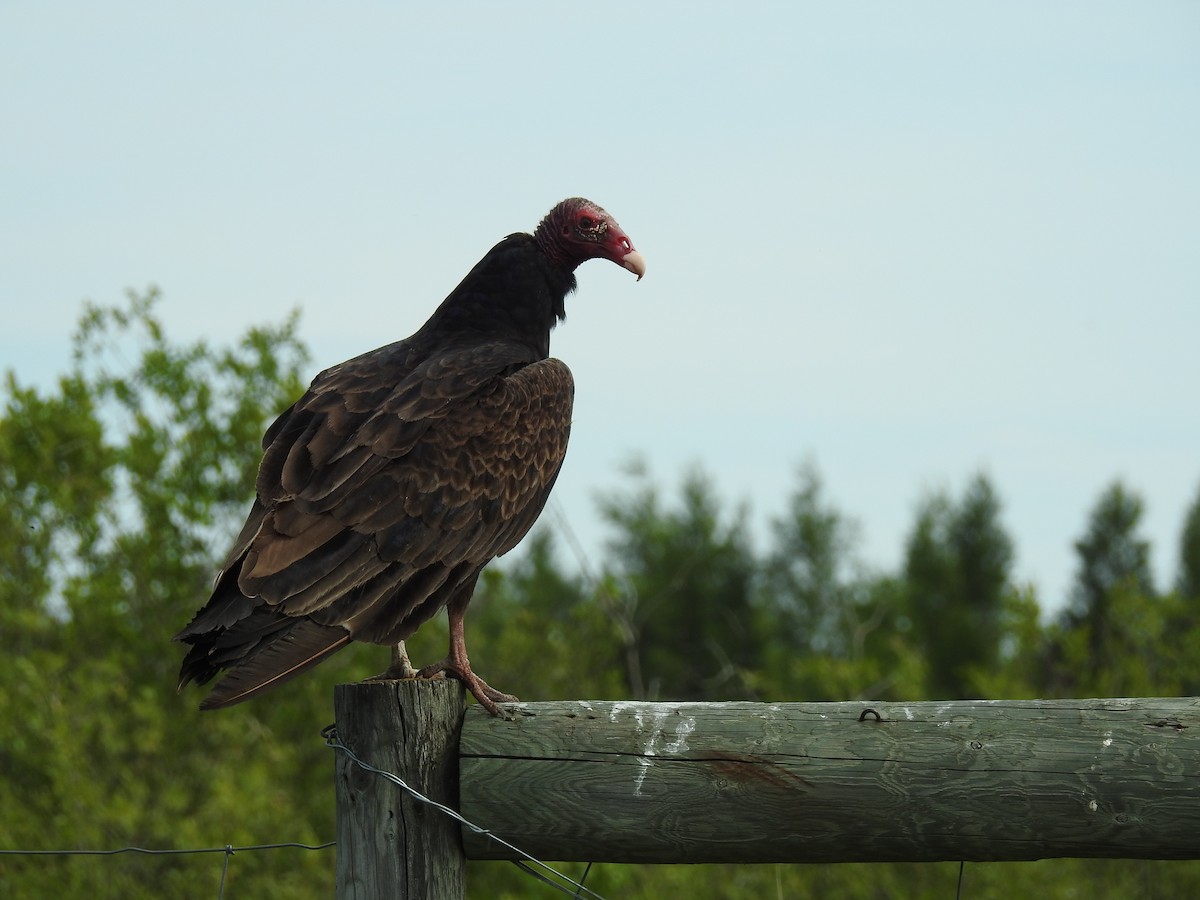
(387, 487)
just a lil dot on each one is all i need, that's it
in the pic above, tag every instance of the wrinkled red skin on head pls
(577, 230)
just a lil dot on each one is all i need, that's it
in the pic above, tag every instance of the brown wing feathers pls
(368, 521)
(285, 649)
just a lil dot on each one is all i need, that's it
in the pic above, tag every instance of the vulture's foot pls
(487, 695)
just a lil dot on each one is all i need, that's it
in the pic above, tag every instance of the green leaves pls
(124, 482)
(957, 570)
(680, 582)
(1188, 581)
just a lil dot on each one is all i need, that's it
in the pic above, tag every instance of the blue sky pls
(907, 241)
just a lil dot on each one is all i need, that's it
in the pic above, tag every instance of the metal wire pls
(227, 849)
(224, 871)
(528, 863)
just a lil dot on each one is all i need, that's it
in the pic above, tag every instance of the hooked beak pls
(635, 263)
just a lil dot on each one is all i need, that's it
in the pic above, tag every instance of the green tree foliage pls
(1020, 672)
(1113, 575)
(1185, 620)
(118, 485)
(1188, 579)
(124, 482)
(811, 572)
(957, 572)
(1111, 554)
(1119, 637)
(685, 582)
(829, 629)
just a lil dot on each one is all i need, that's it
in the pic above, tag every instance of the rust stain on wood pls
(753, 768)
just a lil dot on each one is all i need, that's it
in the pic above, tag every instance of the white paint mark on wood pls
(650, 721)
(643, 767)
(682, 730)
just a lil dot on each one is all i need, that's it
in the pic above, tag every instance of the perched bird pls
(387, 487)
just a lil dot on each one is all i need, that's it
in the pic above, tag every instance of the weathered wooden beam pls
(835, 782)
(388, 844)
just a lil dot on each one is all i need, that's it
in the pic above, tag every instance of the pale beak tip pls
(635, 263)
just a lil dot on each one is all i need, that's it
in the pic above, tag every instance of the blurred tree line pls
(123, 484)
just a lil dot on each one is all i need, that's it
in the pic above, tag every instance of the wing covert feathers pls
(375, 504)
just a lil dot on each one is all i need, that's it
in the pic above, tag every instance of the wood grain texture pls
(832, 782)
(388, 844)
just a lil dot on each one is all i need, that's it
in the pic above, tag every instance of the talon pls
(401, 668)
(486, 695)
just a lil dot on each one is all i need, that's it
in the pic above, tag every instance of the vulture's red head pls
(577, 230)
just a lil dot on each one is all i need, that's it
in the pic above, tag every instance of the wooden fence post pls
(634, 782)
(390, 845)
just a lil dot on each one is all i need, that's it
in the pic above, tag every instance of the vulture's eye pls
(587, 222)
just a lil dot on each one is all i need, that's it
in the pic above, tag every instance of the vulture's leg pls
(457, 664)
(401, 667)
